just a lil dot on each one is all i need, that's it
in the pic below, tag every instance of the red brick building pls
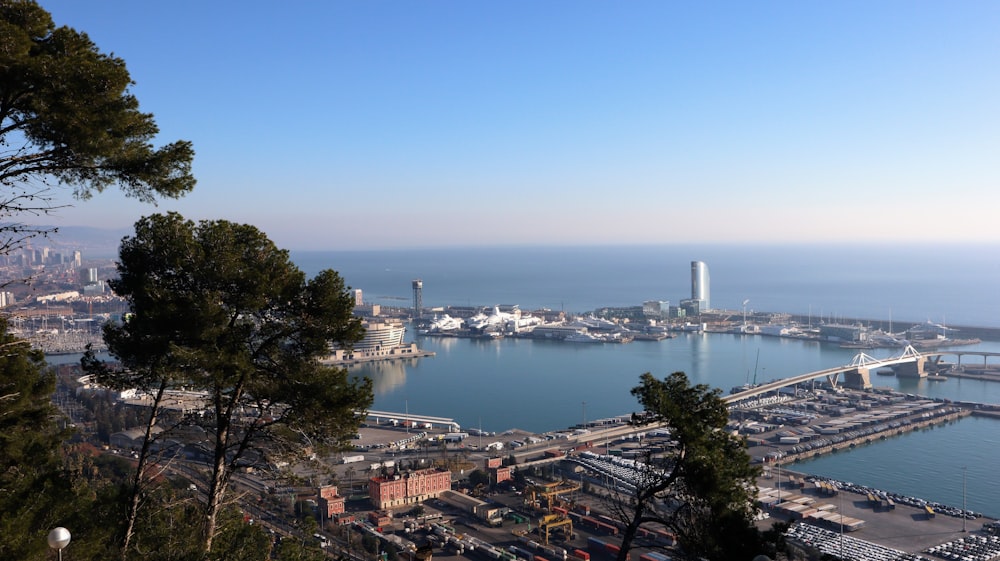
(498, 473)
(408, 488)
(330, 503)
(503, 474)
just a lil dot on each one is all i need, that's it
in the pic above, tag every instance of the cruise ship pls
(444, 323)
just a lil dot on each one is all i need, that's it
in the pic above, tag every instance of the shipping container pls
(521, 553)
(665, 536)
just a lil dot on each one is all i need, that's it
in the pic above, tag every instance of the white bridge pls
(856, 374)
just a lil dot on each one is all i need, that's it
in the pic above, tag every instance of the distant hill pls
(93, 242)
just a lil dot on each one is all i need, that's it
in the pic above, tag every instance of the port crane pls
(549, 491)
(551, 522)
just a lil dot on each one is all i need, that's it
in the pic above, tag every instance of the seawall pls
(868, 439)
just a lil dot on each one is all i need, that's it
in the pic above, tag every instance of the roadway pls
(861, 360)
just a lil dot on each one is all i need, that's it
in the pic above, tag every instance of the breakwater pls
(793, 457)
(962, 331)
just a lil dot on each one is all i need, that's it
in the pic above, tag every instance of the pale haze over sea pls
(541, 385)
(946, 283)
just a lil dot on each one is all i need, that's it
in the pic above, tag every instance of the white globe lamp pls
(58, 539)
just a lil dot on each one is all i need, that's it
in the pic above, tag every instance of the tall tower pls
(699, 284)
(418, 297)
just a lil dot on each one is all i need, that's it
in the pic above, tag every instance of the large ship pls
(441, 324)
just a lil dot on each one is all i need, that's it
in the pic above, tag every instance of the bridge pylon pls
(858, 378)
(915, 368)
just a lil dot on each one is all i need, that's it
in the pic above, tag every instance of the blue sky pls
(371, 124)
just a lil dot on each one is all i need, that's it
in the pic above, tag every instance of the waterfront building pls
(382, 340)
(690, 307)
(658, 309)
(843, 333)
(380, 336)
(408, 488)
(368, 310)
(700, 289)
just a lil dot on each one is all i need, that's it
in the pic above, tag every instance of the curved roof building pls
(700, 284)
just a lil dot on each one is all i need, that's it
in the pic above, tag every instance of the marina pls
(538, 386)
(516, 389)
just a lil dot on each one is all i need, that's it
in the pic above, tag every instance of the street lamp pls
(842, 525)
(58, 539)
(777, 464)
(964, 517)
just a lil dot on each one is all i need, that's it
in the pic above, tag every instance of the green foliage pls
(370, 543)
(30, 471)
(704, 491)
(240, 541)
(45, 483)
(66, 115)
(217, 308)
(479, 477)
(294, 550)
(69, 106)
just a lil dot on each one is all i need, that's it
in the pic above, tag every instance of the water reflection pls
(387, 375)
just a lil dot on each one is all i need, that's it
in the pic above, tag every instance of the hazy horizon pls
(111, 236)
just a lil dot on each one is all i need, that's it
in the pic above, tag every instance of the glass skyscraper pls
(699, 284)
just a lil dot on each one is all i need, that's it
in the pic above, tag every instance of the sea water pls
(544, 385)
(950, 284)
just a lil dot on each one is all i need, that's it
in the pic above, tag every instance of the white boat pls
(582, 337)
(444, 323)
(497, 319)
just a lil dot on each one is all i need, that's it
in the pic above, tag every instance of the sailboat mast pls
(755, 363)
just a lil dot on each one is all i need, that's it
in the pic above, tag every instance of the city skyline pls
(356, 125)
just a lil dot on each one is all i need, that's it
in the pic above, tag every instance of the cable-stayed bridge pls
(857, 374)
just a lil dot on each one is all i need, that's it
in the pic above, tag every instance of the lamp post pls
(58, 539)
(964, 517)
(777, 464)
(841, 525)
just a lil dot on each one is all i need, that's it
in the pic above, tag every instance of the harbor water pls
(542, 385)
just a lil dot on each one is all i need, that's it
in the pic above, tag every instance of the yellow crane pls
(549, 491)
(550, 522)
